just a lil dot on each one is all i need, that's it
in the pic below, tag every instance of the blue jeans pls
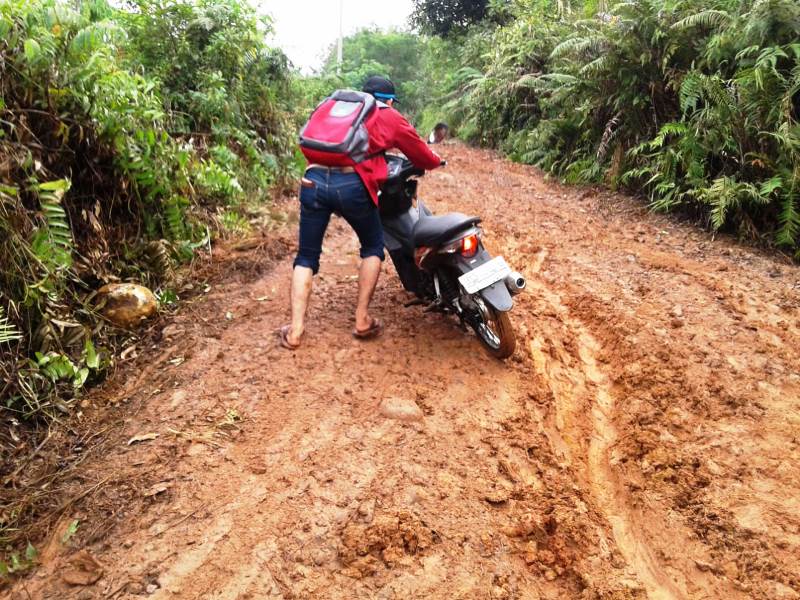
(345, 195)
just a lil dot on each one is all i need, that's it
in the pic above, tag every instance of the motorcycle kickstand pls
(438, 303)
(436, 306)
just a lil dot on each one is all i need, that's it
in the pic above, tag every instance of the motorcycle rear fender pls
(497, 294)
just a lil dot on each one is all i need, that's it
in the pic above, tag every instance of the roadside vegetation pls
(694, 105)
(129, 139)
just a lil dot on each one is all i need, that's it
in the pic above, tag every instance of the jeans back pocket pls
(308, 198)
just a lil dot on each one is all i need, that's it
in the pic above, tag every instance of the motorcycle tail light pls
(469, 245)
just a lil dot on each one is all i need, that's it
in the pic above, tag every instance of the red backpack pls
(335, 134)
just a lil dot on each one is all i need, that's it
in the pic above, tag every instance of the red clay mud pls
(642, 443)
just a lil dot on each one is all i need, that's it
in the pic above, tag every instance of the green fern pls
(8, 332)
(553, 81)
(52, 243)
(789, 222)
(769, 186)
(235, 222)
(691, 91)
(598, 65)
(578, 45)
(668, 130)
(748, 52)
(726, 195)
(710, 19)
(175, 217)
(527, 80)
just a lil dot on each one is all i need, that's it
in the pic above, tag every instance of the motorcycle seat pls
(433, 231)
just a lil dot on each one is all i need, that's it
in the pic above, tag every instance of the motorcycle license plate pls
(488, 273)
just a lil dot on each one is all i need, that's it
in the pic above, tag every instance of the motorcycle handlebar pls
(411, 170)
(408, 169)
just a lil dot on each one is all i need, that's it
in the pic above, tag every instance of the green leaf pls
(71, 531)
(770, 185)
(789, 220)
(30, 553)
(5, 27)
(90, 357)
(57, 367)
(57, 185)
(32, 50)
(80, 377)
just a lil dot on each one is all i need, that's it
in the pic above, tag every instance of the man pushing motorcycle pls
(344, 142)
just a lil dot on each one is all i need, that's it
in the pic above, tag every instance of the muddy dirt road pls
(643, 442)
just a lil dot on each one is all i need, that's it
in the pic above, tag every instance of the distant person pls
(345, 172)
(438, 134)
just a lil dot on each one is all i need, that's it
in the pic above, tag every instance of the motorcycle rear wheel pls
(495, 332)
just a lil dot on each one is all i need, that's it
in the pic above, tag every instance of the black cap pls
(380, 87)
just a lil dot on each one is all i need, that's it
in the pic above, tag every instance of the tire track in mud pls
(607, 490)
(596, 400)
(605, 486)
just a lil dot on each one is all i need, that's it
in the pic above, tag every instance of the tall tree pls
(393, 54)
(442, 17)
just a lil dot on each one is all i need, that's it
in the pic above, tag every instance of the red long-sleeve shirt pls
(389, 129)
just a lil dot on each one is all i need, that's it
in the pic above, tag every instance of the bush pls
(125, 138)
(694, 104)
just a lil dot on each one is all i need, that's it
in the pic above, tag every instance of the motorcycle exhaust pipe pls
(515, 283)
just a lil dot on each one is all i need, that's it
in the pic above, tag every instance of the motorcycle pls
(441, 260)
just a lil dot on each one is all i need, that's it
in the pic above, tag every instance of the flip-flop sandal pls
(373, 331)
(283, 334)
